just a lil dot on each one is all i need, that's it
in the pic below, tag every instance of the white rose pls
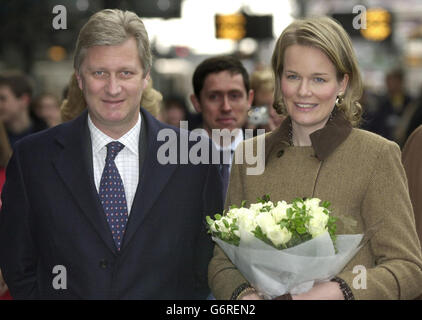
(233, 213)
(299, 204)
(269, 203)
(246, 219)
(280, 211)
(266, 222)
(279, 235)
(318, 222)
(312, 203)
(245, 212)
(256, 207)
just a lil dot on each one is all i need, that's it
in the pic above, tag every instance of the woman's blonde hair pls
(326, 34)
(262, 80)
(75, 102)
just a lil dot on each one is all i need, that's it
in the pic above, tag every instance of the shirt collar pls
(130, 139)
(237, 139)
(324, 141)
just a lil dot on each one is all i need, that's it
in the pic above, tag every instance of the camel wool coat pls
(412, 162)
(361, 174)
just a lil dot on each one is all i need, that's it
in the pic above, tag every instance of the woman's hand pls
(251, 296)
(322, 291)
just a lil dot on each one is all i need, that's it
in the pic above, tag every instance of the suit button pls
(103, 264)
(280, 153)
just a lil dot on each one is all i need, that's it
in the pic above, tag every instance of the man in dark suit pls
(223, 96)
(88, 210)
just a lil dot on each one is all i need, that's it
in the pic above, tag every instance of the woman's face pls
(309, 86)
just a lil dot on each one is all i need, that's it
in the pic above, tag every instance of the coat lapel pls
(74, 165)
(152, 176)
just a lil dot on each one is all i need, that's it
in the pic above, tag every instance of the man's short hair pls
(112, 27)
(218, 64)
(18, 83)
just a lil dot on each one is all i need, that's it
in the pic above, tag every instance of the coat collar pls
(74, 165)
(324, 141)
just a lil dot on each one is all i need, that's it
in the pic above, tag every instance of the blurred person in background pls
(47, 107)
(388, 118)
(262, 115)
(5, 153)
(412, 161)
(222, 95)
(416, 117)
(15, 100)
(174, 110)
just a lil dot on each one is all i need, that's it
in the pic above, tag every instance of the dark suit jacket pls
(52, 216)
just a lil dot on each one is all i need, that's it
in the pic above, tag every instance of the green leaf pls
(283, 223)
(209, 220)
(301, 230)
(289, 212)
(326, 204)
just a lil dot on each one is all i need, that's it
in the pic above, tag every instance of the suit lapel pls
(74, 165)
(152, 175)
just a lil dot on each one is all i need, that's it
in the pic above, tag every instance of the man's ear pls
(195, 103)
(79, 80)
(146, 80)
(251, 95)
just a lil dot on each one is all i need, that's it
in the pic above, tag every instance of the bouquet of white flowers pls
(283, 247)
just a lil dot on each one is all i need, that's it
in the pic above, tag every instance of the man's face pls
(11, 106)
(111, 80)
(223, 101)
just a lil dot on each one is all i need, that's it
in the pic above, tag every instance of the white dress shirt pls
(236, 141)
(127, 160)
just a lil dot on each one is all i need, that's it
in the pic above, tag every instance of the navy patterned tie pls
(112, 195)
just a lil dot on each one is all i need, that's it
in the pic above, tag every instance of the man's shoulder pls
(42, 140)
(37, 138)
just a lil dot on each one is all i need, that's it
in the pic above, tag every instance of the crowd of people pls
(85, 188)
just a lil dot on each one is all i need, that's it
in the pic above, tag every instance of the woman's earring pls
(340, 99)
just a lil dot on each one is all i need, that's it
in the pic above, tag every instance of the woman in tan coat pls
(317, 152)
